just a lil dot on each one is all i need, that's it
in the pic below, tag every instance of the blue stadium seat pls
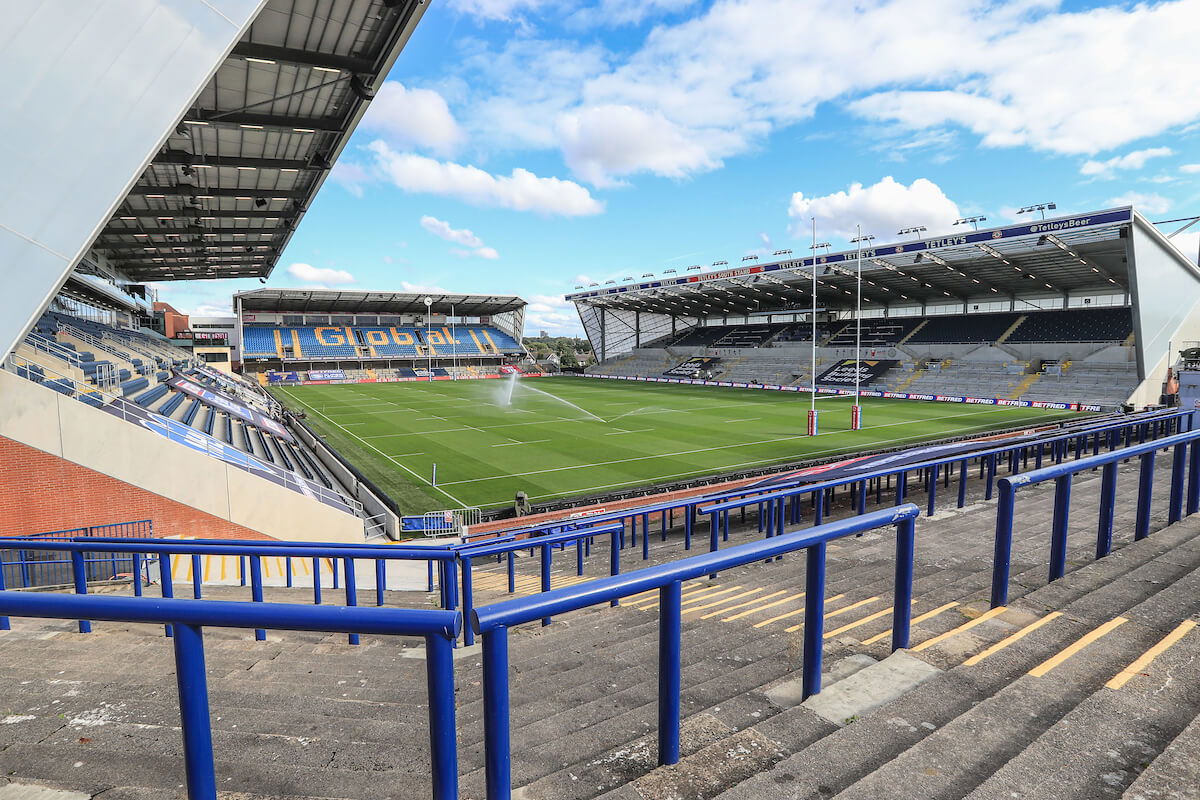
(150, 396)
(192, 410)
(168, 408)
(132, 386)
(91, 398)
(61, 385)
(210, 421)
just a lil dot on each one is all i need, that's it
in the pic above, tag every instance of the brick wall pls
(42, 492)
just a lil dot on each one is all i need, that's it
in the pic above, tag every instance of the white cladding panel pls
(91, 91)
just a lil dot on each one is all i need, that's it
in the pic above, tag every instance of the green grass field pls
(557, 437)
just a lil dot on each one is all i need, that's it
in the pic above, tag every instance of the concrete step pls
(858, 748)
(1175, 773)
(1100, 747)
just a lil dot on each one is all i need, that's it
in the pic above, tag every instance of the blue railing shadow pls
(188, 619)
(493, 622)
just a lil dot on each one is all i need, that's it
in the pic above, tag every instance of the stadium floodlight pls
(647, 274)
(720, 263)
(1040, 207)
(972, 221)
(668, 272)
(694, 266)
(916, 230)
(782, 253)
(606, 283)
(812, 409)
(428, 349)
(749, 258)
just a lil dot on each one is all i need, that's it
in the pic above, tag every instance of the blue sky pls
(525, 146)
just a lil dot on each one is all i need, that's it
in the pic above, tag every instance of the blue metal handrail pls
(249, 553)
(494, 621)
(1058, 445)
(545, 546)
(1062, 473)
(188, 618)
(987, 457)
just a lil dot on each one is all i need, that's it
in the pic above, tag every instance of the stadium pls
(916, 519)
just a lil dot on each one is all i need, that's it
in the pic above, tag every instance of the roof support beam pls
(305, 58)
(187, 190)
(246, 119)
(184, 158)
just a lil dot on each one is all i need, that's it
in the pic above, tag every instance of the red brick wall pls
(41, 492)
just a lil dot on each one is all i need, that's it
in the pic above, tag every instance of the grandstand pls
(399, 335)
(334, 566)
(1072, 309)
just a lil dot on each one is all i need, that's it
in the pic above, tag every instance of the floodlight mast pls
(856, 411)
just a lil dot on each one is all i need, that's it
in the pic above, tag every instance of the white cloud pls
(310, 274)
(443, 230)
(601, 143)
(1145, 203)
(1135, 160)
(1190, 169)
(520, 191)
(552, 314)
(627, 12)
(351, 176)
(1017, 74)
(882, 209)
(479, 252)
(413, 118)
(495, 9)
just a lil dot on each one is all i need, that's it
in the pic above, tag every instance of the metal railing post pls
(165, 584)
(497, 747)
(1193, 484)
(316, 570)
(1059, 526)
(5, 625)
(991, 476)
(380, 580)
(1178, 471)
(1108, 502)
(814, 619)
(136, 565)
(1141, 528)
(932, 487)
(197, 577)
(962, 483)
(468, 597)
(614, 561)
(1002, 547)
(443, 746)
(79, 575)
(192, 685)
(352, 593)
(670, 601)
(256, 591)
(906, 537)
(547, 554)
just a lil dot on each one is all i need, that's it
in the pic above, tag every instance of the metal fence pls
(29, 568)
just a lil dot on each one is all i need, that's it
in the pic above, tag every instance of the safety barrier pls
(545, 546)
(188, 620)
(775, 505)
(493, 622)
(988, 459)
(1181, 466)
(141, 553)
(27, 568)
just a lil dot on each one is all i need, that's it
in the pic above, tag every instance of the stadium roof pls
(318, 301)
(224, 195)
(1073, 254)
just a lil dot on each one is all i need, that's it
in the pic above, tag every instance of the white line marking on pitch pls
(389, 458)
(972, 413)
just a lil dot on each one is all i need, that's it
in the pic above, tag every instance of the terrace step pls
(1168, 775)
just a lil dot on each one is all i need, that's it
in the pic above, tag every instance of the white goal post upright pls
(812, 410)
(856, 409)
